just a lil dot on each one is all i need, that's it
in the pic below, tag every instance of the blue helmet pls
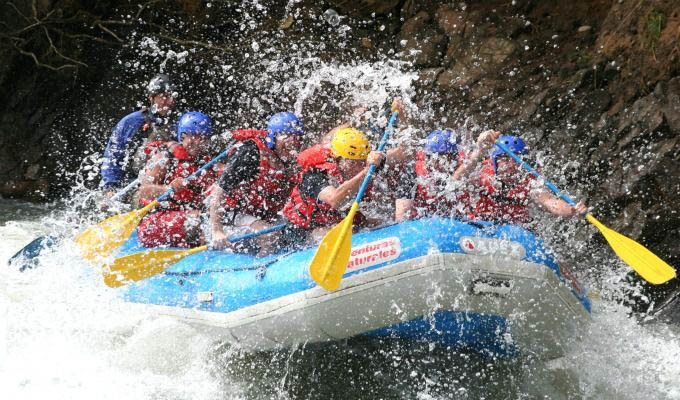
(514, 143)
(283, 123)
(442, 141)
(194, 123)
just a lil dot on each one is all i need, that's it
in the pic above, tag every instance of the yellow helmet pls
(350, 143)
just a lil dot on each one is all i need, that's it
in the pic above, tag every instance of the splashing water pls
(66, 335)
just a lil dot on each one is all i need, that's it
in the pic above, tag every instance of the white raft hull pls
(542, 314)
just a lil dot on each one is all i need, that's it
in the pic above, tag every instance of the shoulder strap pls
(421, 166)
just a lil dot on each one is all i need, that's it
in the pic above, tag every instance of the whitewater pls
(65, 335)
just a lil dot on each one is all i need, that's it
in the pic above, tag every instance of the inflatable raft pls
(495, 289)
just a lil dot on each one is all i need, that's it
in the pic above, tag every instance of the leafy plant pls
(656, 21)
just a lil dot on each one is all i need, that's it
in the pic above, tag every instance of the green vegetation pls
(584, 56)
(656, 21)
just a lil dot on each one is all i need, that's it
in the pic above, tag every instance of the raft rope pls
(260, 268)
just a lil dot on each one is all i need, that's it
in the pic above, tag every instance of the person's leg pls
(194, 235)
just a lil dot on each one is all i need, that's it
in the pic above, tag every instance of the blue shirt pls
(125, 139)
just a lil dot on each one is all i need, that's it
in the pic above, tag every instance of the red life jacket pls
(151, 147)
(265, 195)
(508, 205)
(182, 165)
(430, 203)
(307, 212)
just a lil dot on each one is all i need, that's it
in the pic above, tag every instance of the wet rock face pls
(365, 8)
(476, 62)
(423, 45)
(592, 84)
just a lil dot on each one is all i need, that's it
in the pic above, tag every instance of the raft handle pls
(492, 286)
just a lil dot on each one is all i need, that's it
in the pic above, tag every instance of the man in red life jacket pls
(176, 221)
(256, 182)
(399, 151)
(435, 185)
(331, 177)
(506, 190)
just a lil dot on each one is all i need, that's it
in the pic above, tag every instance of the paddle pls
(136, 267)
(650, 267)
(124, 190)
(37, 245)
(103, 239)
(330, 261)
(32, 250)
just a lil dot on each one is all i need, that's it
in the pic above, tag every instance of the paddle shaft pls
(239, 238)
(347, 222)
(198, 173)
(124, 190)
(381, 147)
(265, 231)
(136, 182)
(532, 171)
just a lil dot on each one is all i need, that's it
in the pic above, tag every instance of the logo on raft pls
(492, 247)
(374, 253)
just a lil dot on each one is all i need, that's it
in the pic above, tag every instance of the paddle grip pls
(381, 147)
(200, 171)
(532, 171)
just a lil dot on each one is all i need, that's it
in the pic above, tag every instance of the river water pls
(65, 335)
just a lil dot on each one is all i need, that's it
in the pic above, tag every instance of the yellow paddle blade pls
(136, 267)
(104, 238)
(650, 267)
(330, 261)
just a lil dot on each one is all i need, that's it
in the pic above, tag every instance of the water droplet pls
(331, 16)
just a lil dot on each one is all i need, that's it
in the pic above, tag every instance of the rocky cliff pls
(593, 85)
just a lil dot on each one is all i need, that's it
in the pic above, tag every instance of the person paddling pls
(505, 191)
(256, 182)
(119, 165)
(331, 177)
(400, 155)
(435, 184)
(176, 222)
